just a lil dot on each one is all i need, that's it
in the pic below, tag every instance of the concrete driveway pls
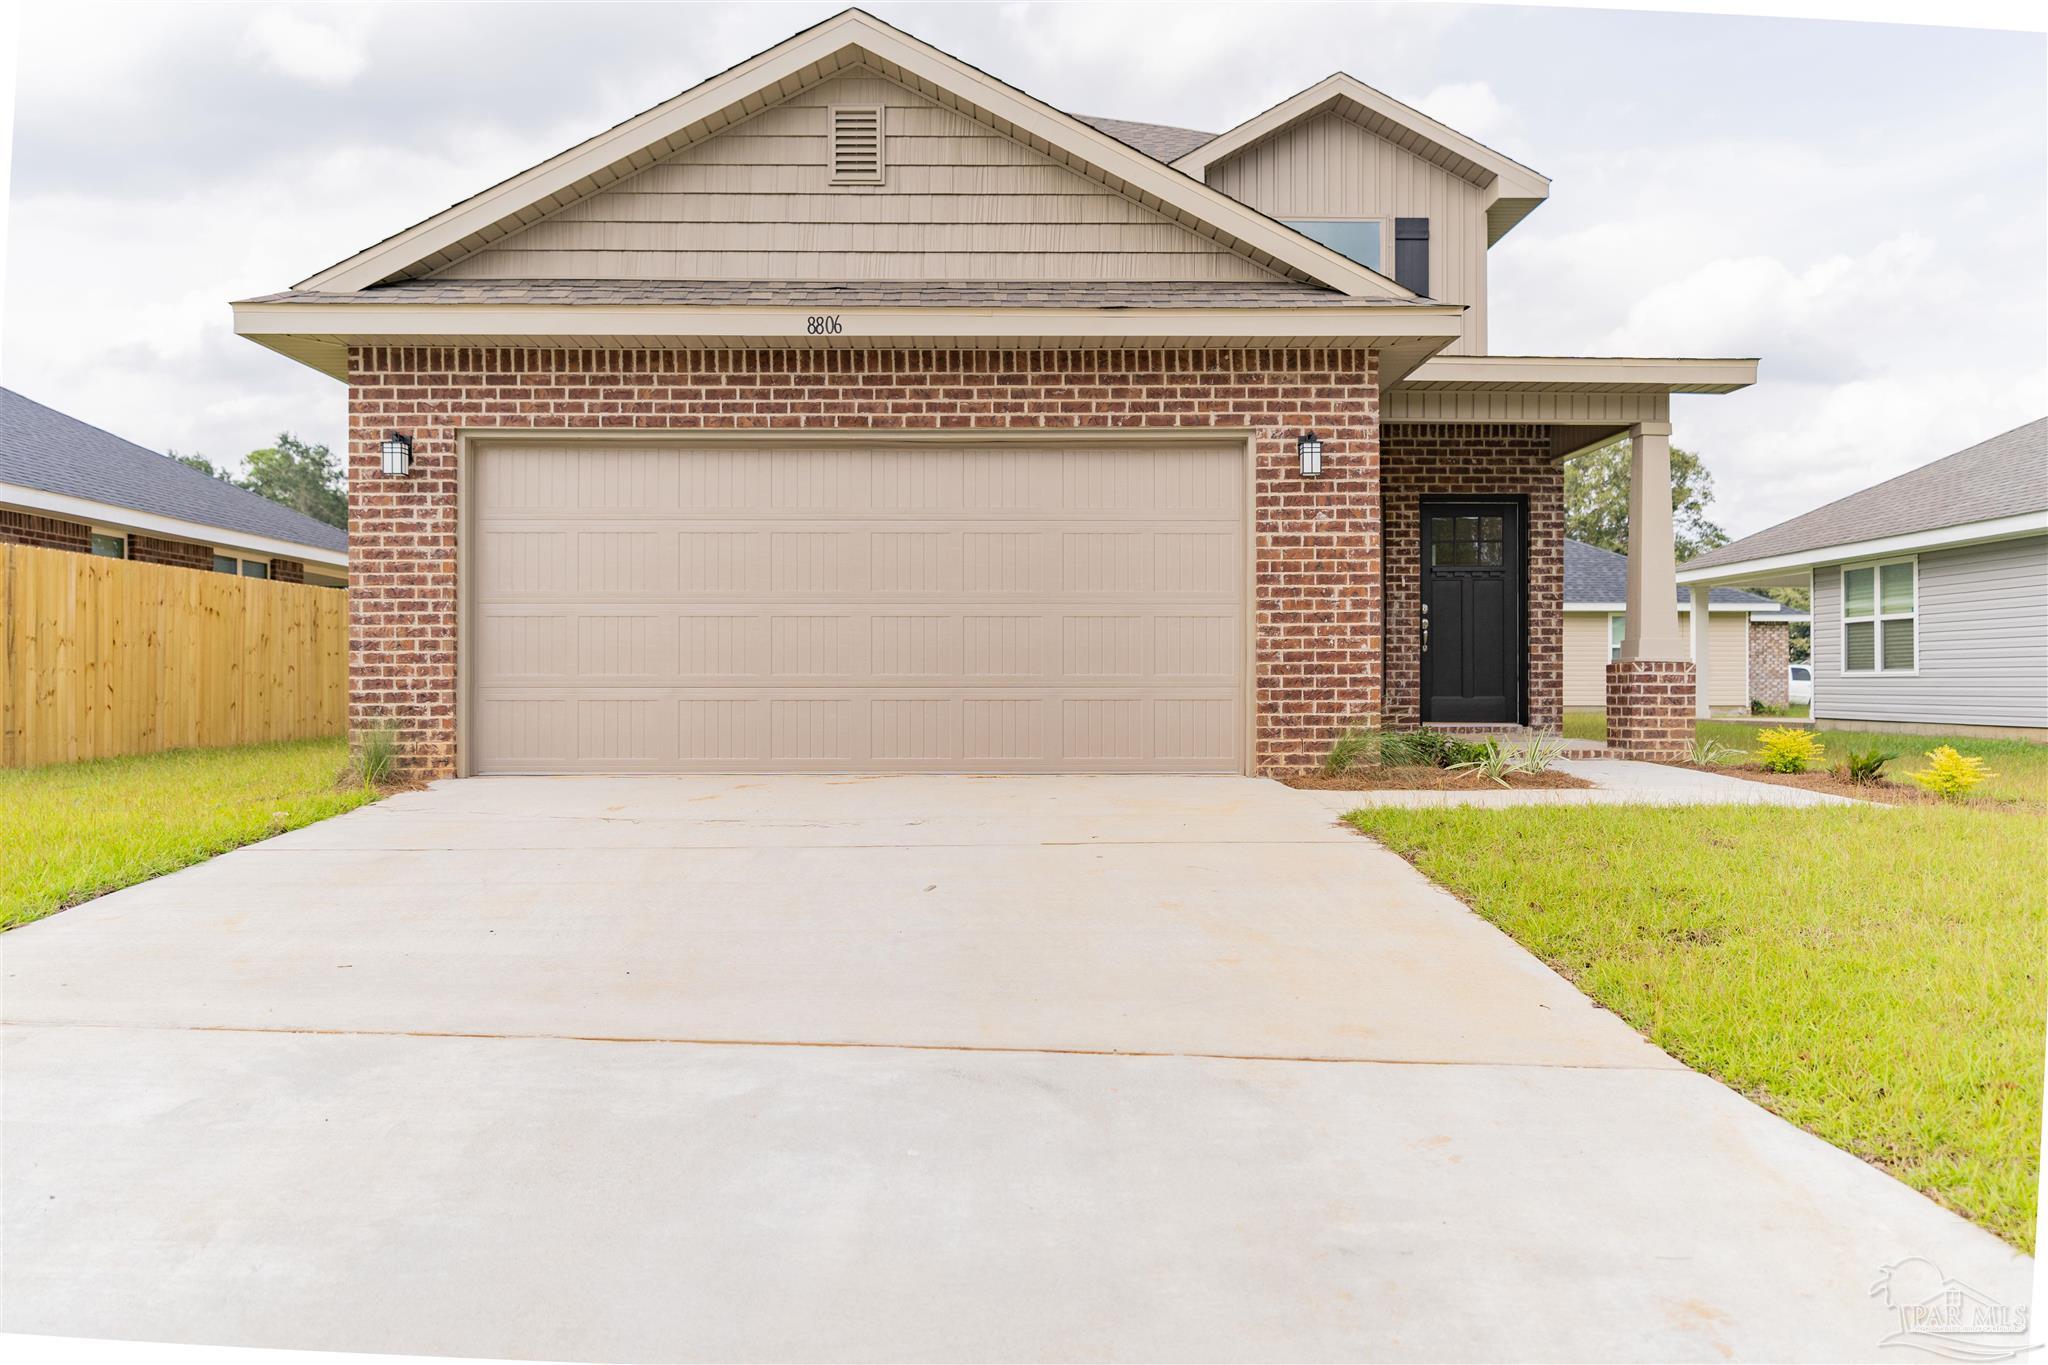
(888, 1068)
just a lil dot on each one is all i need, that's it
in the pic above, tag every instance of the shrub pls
(1487, 760)
(1950, 775)
(1711, 753)
(376, 755)
(1865, 766)
(1415, 748)
(1788, 751)
(1764, 708)
(1542, 751)
(1347, 749)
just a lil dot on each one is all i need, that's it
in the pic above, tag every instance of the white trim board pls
(149, 523)
(2013, 527)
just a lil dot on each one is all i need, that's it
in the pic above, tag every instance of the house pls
(1749, 637)
(66, 485)
(1929, 592)
(854, 409)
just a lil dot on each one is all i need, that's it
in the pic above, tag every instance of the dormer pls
(1384, 184)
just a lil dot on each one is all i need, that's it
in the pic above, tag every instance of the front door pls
(1472, 635)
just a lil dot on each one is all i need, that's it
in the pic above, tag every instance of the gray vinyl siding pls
(1983, 642)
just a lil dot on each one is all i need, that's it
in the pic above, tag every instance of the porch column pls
(1652, 630)
(1702, 654)
(1652, 697)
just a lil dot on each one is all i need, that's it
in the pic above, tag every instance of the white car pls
(1800, 688)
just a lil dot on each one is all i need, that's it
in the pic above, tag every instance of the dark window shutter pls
(1411, 254)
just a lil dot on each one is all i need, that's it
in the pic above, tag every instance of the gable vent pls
(857, 144)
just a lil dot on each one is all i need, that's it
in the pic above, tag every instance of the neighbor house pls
(1929, 591)
(66, 485)
(1749, 636)
(856, 410)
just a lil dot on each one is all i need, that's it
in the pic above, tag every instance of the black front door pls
(1472, 636)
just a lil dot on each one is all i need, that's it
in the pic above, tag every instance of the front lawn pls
(1873, 974)
(2021, 765)
(73, 831)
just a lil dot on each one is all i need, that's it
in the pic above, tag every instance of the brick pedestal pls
(1650, 708)
(1770, 658)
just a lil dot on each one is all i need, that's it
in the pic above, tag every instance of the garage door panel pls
(914, 610)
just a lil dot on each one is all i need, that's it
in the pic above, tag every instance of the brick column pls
(1650, 708)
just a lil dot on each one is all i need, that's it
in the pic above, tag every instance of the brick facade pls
(1316, 614)
(1446, 459)
(47, 533)
(1650, 708)
(177, 553)
(1770, 658)
(287, 571)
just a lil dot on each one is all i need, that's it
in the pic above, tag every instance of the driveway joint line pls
(1310, 1059)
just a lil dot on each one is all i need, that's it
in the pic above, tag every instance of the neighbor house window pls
(226, 564)
(1880, 617)
(255, 568)
(1617, 626)
(113, 547)
(1362, 239)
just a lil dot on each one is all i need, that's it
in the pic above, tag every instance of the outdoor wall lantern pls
(397, 454)
(1310, 448)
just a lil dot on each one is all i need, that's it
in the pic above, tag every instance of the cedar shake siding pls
(48, 533)
(1315, 567)
(1448, 459)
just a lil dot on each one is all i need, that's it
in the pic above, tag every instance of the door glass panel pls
(1898, 645)
(1896, 587)
(1859, 647)
(1858, 591)
(1442, 540)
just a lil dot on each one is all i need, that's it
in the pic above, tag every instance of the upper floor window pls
(1880, 617)
(1362, 239)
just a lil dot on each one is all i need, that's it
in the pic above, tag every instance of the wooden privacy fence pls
(100, 657)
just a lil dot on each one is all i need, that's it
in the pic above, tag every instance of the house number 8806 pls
(823, 325)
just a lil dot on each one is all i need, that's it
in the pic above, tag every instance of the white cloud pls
(1473, 109)
(306, 47)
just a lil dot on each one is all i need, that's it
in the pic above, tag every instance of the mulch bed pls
(1890, 793)
(1421, 778)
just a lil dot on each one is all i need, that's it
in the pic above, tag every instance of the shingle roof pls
(1592, 574)
(2001, 477)
(42, 448)
(825, 294)
(1160, 141)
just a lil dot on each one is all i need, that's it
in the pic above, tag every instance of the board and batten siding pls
(1585, 659)
(1983, 643)
(958, 201)
(1330, 167)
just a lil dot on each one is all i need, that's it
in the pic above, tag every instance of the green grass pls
(77, 830)
(2021, 765)
(1874, 973)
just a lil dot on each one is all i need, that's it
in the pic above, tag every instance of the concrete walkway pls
(908, 1068)
(1616, 782)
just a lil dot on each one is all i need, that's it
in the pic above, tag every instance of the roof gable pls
(957, 201)
(1514, 190)
(44, 449)
(1598, 577)
(2006, 476)
(849, 40)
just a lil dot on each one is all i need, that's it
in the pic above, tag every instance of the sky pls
(1863, 205)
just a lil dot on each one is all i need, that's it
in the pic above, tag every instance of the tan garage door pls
(973, 609)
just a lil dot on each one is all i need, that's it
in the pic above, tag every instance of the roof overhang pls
(1514, 190)
(1794, 567)
(1584, 400)
(150, 523)
(848, 40)
(319, 334)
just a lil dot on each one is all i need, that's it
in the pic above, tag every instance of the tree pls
(203, 465)
(1596, 500)
(304, 477)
